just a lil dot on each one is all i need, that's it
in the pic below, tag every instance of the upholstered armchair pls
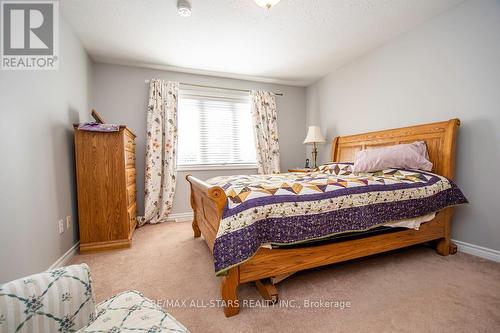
(62, 300)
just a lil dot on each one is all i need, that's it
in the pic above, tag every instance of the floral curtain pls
(161, 151)
(265, 121)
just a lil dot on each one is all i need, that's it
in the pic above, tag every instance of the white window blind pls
(215, 129)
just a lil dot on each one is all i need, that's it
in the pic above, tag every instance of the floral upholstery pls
(130, 311)
(60, 300)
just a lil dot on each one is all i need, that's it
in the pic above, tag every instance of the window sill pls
(216, 167)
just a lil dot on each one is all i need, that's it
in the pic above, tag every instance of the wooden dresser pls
(105, 176)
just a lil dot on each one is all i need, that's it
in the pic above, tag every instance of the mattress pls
(293, 208)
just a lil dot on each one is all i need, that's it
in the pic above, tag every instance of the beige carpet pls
(414, 290)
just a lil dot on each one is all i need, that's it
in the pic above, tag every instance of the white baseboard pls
(65, 258)
(478, 251)
(181, 217)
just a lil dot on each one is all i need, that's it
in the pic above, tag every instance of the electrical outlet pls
(68, 222)
(61, 226)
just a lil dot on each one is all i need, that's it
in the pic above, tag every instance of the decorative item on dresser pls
(105, 175)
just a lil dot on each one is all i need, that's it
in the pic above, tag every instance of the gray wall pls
(121, 96)
(37, 168)
(447, 67)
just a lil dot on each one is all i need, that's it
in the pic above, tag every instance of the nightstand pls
(302, 170)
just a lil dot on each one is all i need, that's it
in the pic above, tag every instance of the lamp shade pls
(314, 135)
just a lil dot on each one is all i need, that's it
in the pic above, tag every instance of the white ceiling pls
(296, 42)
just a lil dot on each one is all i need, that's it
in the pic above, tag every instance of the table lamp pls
(314, 136)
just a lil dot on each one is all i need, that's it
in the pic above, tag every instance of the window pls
(215, 130)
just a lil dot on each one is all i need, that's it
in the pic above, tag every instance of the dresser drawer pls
(130, 175)
(129, 159)
(131, 194)
(129, 143)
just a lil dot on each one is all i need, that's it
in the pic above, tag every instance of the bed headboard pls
(440, 139)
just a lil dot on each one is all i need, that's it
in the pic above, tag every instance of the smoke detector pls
(184, 8)
(266, 3)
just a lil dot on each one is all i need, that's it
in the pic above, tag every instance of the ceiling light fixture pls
(266, 3)
(184, 8)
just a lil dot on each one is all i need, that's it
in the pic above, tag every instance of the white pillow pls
(404, 156)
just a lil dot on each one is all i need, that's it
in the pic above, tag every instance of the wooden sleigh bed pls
(268, 265)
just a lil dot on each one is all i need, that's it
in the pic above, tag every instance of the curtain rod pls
(205, 86)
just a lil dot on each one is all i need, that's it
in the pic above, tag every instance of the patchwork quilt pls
(291, 208)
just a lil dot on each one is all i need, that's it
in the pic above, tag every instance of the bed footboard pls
(208, 204)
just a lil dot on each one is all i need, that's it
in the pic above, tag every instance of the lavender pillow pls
(408, 156)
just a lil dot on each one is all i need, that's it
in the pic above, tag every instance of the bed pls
(235, 223)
